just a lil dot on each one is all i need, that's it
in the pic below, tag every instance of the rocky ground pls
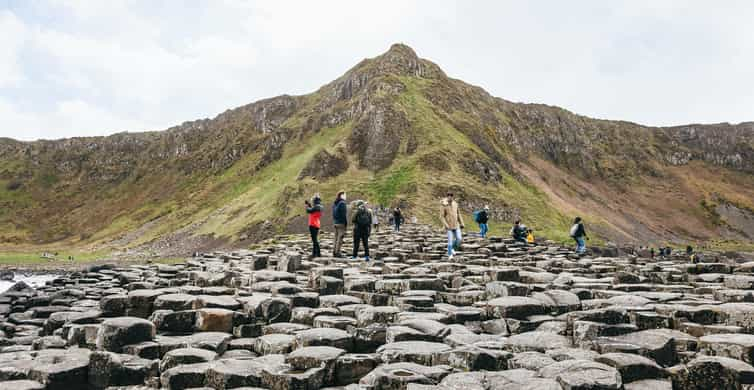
(497, 316)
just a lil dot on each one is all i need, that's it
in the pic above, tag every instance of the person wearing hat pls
(315, 213)
(481, 218)
(453, 223)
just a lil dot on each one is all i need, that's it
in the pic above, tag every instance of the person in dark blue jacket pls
(518, 231)
(340, 220)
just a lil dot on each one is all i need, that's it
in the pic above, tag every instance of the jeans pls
(580, 244)
(314, 231)
(454, 238)
(363, 237)
(340, 234)
(483, 229)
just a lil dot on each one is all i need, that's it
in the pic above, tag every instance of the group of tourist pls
(364, 219)
(453, 223)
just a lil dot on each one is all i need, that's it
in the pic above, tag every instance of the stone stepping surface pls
(498, 315)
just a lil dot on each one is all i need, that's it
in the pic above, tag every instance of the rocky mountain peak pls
(401, 50)
(402, 60)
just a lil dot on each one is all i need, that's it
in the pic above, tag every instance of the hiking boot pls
(366, 258)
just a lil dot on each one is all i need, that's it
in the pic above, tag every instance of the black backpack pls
(362, 218)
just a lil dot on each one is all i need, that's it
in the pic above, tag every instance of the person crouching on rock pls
(530, 237)
(362, 226)
(315, 213)
(518, 231)
(578, 233)
(453, 223)
(340, 220)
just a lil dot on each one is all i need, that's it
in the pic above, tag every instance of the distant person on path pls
(375, 219)
(340, 220)
(362, 226)
(315, 213)
(453, 223)
(578, 233)
(530, 236)
(397, 218)
(518, 231)
(690, 253)
(481, 219)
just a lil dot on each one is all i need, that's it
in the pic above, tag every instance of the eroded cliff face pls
(392, 114)
(721, 144)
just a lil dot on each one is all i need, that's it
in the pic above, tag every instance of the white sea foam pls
(33, 280)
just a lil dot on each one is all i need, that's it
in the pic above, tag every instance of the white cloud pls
(72, 68)
(68, 118)
(13, 31)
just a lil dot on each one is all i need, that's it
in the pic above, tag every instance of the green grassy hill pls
(393, 129)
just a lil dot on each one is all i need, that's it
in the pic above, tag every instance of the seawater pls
(33, 280)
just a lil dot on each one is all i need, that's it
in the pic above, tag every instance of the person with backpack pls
(578, 233)
(397, 218)
(453, 223)
(340, 221)
(315, 213)
(362, 226)
(481, 219)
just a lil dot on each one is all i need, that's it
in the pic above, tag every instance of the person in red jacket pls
(315, 213)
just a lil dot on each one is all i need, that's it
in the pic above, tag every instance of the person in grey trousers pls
(340, 220)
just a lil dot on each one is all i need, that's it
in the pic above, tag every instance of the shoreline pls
(65, 266)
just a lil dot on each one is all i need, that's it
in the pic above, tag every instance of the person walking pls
(374, 213)
(340, 221)
(315, 214)
(578, 233)
(362, 226)
(453, 223)
(518, 231)
(481, 218)
(397, 219)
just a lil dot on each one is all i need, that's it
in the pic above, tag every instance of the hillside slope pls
(393, 128)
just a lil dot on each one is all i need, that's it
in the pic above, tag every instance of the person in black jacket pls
(397, 218)
(362, 226)
(340, 220)
(482, 218)
(518, 231)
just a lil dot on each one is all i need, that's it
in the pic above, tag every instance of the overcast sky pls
(76, 68)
